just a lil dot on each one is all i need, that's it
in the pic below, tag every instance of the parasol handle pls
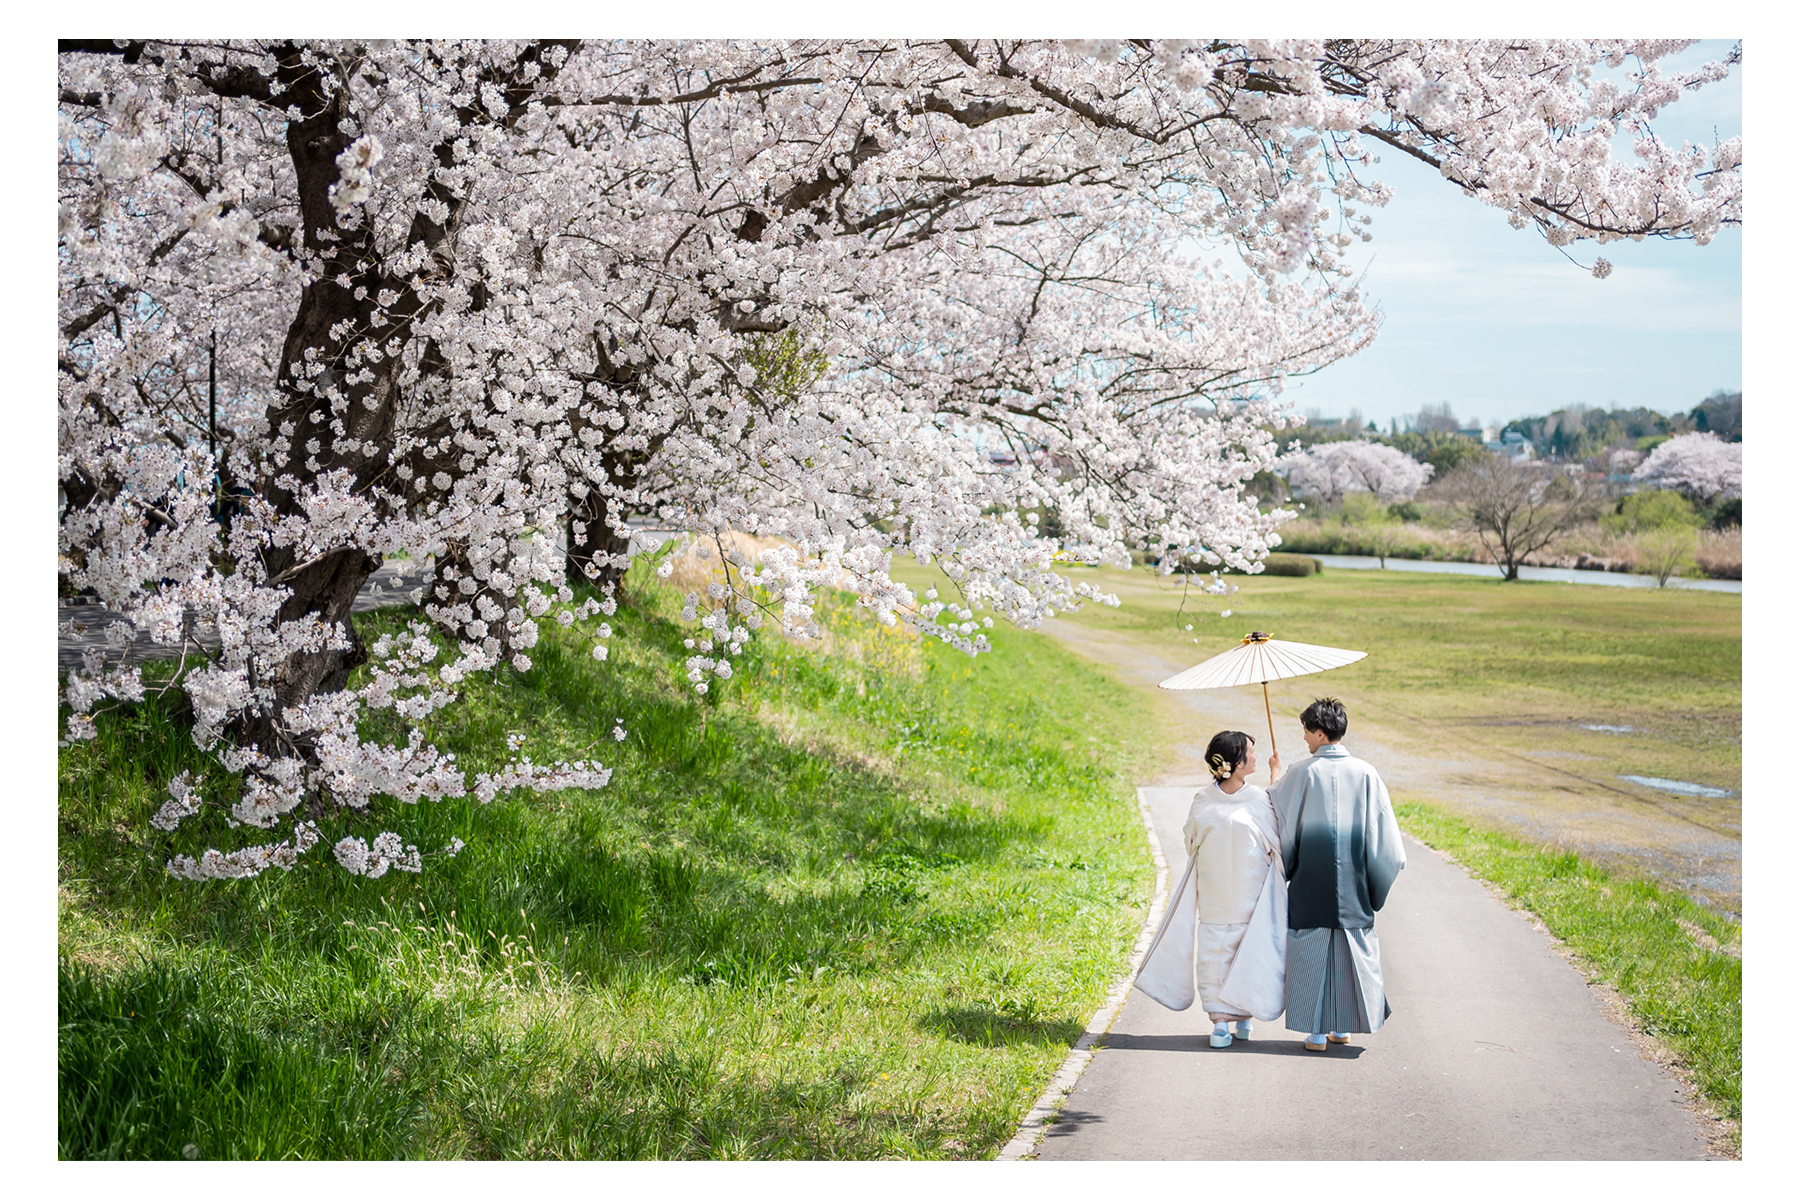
(1270, 714)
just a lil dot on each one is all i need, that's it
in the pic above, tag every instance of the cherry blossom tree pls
(1701, 466)
(484, 302)
(1330, 471)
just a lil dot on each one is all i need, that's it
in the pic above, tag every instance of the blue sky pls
(1500, 324)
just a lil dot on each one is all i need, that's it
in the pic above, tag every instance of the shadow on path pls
(1497, 1049)
(1183, 1043)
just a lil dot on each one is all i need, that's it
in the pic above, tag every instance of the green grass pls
(1675, 963)
(1524, 663)
(858, 907)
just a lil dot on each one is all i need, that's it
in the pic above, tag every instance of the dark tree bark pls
(326, 585)
(594, 546)
(597, 548)
(345, 259)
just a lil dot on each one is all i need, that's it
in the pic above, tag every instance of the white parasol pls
(1258, 659)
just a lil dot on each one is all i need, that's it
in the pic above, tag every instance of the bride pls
(1223, 938)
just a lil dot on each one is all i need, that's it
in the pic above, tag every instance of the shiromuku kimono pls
(1340, 847)
(1225, 931)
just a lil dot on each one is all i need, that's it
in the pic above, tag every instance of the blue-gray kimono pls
(1341, 849)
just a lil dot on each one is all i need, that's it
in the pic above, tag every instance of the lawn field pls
(1526, 663)
(1478, 694)
(858, 907)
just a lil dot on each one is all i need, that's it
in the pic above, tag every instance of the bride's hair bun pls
(1227, 751)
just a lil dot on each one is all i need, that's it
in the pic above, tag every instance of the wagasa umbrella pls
(1258, 659)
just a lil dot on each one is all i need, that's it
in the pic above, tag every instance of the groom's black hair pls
(1326, 716)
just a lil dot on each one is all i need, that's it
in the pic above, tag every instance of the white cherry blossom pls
(1699, 465)
(1329, 471)
(483, 302)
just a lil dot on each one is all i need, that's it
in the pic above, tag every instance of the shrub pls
(1729, 513)
(1667, 551)
(1409, 511)
(1292, 564)
(1721, 554)
(1641, 512)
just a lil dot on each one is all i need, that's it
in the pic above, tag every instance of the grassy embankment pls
(1494, 674)
(861, 913)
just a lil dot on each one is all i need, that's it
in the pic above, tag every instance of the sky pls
(1499, 324)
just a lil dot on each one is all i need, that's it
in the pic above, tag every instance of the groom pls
(1341, 848)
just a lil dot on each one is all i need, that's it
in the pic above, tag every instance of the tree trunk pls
(598, 544)
(596, 547)
(328, 584)
(328, 588)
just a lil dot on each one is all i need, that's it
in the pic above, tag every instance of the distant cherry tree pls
(1332, 470)
(1701, 466)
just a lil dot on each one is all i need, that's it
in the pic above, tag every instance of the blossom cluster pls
(1701, 466)
(1001, 306)
(1331, 470)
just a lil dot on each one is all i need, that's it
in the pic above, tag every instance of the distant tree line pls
(1436, 436)
(1578, 432)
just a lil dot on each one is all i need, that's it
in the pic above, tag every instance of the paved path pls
(1497, 1049)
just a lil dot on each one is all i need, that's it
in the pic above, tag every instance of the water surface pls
(1362, 562)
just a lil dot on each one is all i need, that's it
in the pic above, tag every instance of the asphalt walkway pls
(1497, 1049)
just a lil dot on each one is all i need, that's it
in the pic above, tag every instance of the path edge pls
(1024, 1143)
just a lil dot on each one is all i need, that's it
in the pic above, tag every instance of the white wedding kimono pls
(1223, 939)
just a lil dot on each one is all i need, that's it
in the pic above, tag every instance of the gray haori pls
(1340, 846)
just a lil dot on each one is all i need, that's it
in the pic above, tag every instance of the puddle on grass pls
(1676, 785)
(1612, 728)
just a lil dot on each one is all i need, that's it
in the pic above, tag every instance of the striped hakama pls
(1341, 849)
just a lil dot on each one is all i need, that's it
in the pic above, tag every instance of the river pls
(1366, 562)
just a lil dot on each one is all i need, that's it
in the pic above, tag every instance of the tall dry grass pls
(1417, 541)
(697, 561)
(1721, 553)
(1717, 554)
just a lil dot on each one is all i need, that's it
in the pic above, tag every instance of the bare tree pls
(1436, 418)
(1515, 508)
(1667, 552)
